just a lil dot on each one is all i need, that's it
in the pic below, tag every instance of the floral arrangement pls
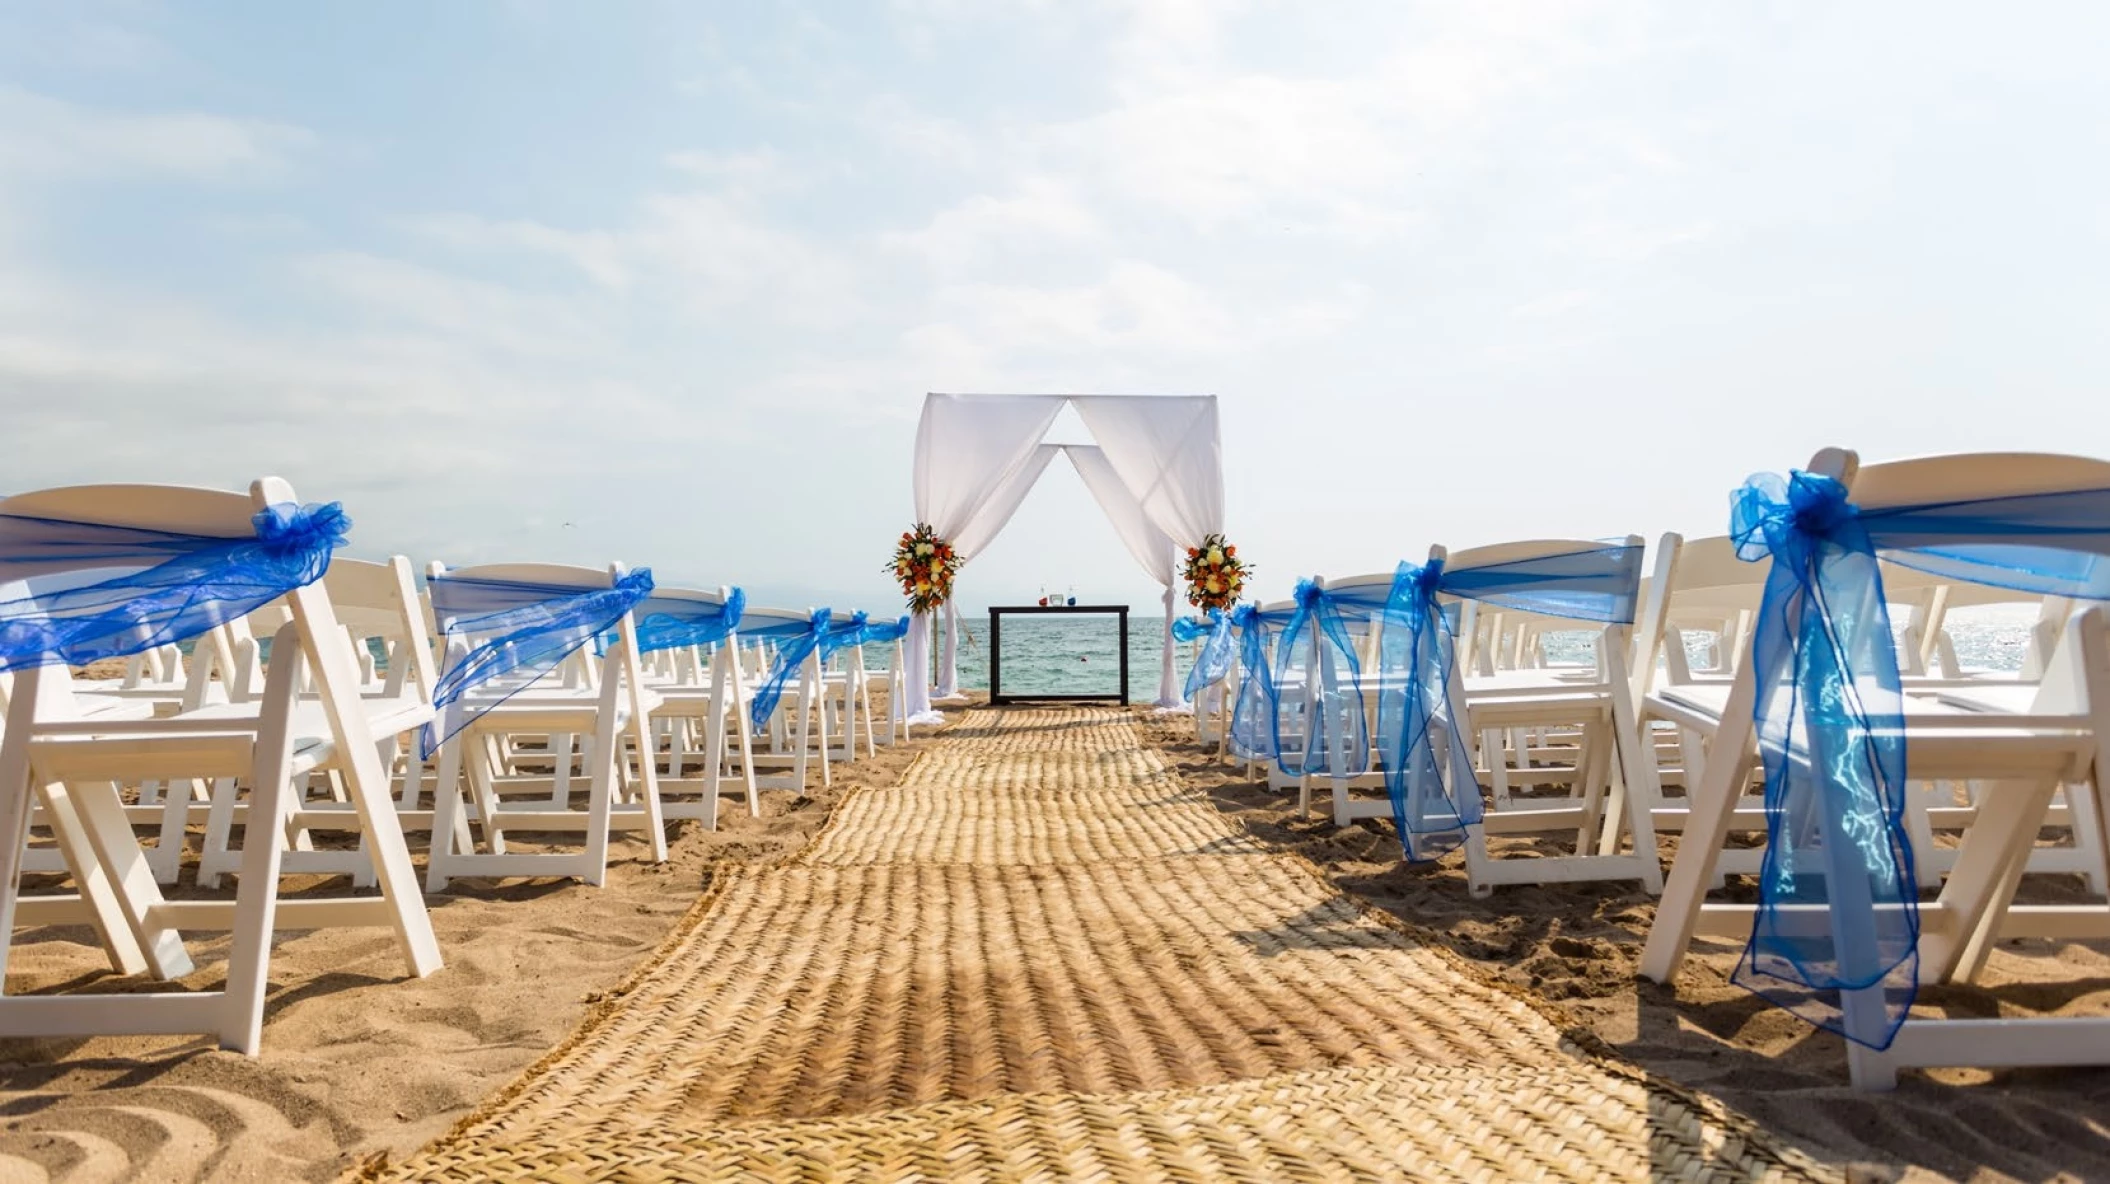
(1215, 575)
(924, 563)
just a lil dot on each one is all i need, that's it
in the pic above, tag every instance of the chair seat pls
(558, 711)
(1530, 680)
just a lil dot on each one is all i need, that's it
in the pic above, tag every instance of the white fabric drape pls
(1156, 471)
(1151, 547)
(981, 526)
(1146, 542)
(1169, 455)
(969, 450)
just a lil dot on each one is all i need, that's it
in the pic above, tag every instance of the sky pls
(666, 283)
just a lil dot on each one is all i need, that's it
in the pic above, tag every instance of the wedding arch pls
(1155, 467)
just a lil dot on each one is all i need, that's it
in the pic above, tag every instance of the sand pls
(1578, 944)
(358, 1059)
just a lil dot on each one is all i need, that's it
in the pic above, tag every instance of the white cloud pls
(44, 137)
(1041, 216)
(464, 310)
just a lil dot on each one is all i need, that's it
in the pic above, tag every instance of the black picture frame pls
(997, 613)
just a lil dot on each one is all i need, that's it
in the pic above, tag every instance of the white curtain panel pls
(1168, 453)
(987, 520)
(969, 452)
(1145, 541)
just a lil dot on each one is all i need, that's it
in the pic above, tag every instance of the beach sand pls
(1576, 945)
(358, 1059)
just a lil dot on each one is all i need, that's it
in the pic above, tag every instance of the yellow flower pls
(1214, 586)
(1216, 556)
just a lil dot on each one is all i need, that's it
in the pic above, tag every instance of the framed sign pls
(998, 696)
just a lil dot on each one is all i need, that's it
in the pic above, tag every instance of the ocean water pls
(1060, 655)
(1080, 655)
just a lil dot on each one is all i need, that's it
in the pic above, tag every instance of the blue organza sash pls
(667, 622)
(1316, 690)
(527, 630)
(844, 634)
(1253, 716)
(886, 631)
(1218, 634)
(78, 592)
(1829, 714)
(1428, 769)
(1429, 773)
(795, 641)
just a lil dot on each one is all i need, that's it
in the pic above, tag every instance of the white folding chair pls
(2021, 758)
(702, 691)
(1587, 709)
(604, 704)
(788, 707)
(378, 607)
(73, 767)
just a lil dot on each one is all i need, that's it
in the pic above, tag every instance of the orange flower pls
(1231, 551)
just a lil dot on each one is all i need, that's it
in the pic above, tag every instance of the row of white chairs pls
(1641, 737)
(309, 711)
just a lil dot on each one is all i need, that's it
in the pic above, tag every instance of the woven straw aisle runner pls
(1043, 957)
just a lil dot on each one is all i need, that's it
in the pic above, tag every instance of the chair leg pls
(109, 832)
(449, 828)
(2085, 815)
(256, 900)
(600, 803)
(648, 787)
(1711, 804)
(167, 856)
(216, 855)
(120, 941)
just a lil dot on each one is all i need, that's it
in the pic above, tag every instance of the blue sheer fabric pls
(1601, 584)
(844, 633)
(1829, 714)
(886, 631)
(795, 641)
(669, 622)
(526, 629)
(1191, 629)
(1253, 716)
(1218, 633)
(1316, 688)
(1429, 774)
(78, 592)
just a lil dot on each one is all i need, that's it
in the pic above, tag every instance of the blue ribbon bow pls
(1216, 631)
(665, 622)
(1829, 714)
(795, 643)
(886, 631)
(172, 586)
(1317, 638)
(1253, 716)
(1429, 773)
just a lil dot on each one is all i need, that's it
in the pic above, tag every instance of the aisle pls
(1041, 956)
